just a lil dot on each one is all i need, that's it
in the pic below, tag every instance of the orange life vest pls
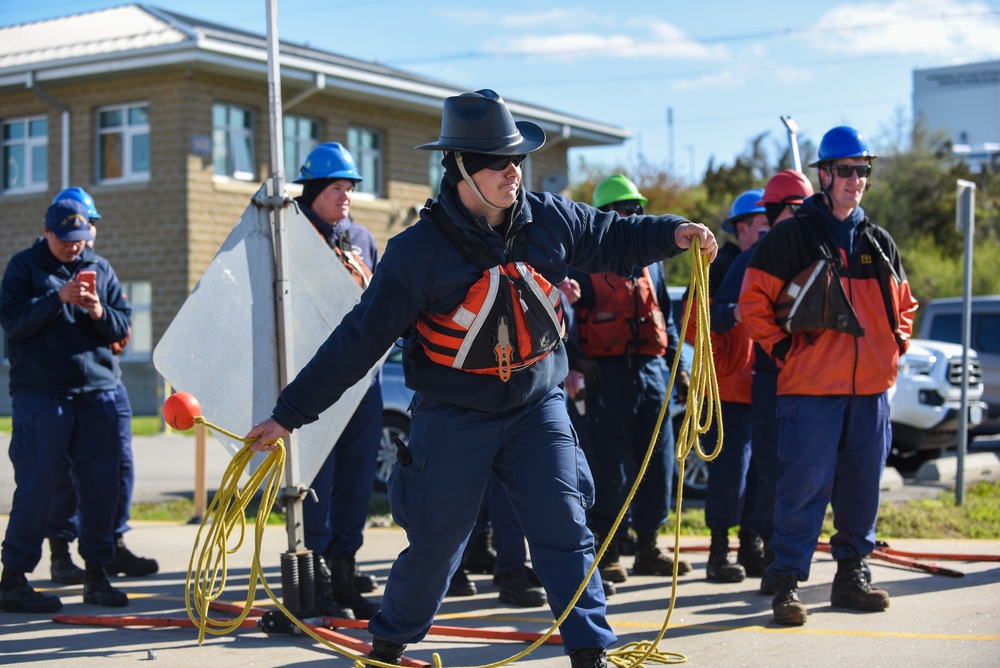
(626, 318)
(511, 317)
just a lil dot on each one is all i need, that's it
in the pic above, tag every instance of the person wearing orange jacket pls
(783, 194)
(834, 372)
(732, 474)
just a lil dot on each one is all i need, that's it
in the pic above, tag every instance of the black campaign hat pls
(480, 122)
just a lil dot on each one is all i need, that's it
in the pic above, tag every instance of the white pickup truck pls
(925, 402)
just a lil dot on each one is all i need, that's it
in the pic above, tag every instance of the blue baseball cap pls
(69, 220)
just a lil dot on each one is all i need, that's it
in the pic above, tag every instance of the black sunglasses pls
(845, 171)
(628, 208)
(502, 163)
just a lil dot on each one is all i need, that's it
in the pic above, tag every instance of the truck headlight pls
(916, 365)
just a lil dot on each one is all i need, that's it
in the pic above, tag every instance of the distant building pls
(163, 118)
(964, 102)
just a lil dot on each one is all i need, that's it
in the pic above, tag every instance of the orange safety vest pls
(510, 318)
(626, 318)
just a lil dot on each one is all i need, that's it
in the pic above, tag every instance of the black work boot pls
(98, 591)
(342, 583)
(62, 569)
(851, 588)
(787, 607)
(589, 658)
(610, 568)
(649, 560)
(16, 595)
(750, 554)
(386, 651)
(326, 604)
(517, 588)
(364, 582)
(480, 557)
(126, 563)
(719, 567)
(461, 585)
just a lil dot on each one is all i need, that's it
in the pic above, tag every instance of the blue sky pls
(728, 69)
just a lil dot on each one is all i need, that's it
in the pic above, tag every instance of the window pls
(140, 298)
(232, 142)
(366, 147)
(435, 171)
(123, 143)
(301, 135)
(25, 166)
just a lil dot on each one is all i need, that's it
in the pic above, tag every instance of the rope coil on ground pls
(206, 577)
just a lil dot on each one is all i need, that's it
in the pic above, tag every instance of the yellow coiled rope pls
(227, 510)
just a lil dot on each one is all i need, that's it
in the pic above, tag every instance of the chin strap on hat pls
(472, 184)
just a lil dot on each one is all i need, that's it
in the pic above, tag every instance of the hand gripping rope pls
(206, 578)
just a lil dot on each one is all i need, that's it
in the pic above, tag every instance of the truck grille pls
(955, 371)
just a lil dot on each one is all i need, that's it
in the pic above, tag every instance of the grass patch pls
(182, 510)
(142, 425)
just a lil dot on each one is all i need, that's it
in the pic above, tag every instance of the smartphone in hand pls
(89, 277)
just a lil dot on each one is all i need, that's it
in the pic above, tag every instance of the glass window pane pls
(140, 153)
(14, 130)
(110, 118)
(240, 117)
(141, 294)
(243, 155)
(109, 156)
(141, 342)
(13, 166)
(39, 127)
(138, 115)
(39, 164)
(220, 152)
(218, 115)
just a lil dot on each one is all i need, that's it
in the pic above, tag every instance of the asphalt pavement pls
(934, 619)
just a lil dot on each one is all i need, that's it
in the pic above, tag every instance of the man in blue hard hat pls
(334, 521)
(486, 376)
(834, 370)
(63, 523)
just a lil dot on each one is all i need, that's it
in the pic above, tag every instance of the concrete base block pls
(891, 480)
(978, 466)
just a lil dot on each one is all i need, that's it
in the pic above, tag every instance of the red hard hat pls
(786, 187)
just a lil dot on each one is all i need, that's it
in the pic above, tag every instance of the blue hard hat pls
(79, 195)
(843, 141)
(744, 205)
(329, 161)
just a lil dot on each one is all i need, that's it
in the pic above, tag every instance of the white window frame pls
(368, 158)
(140, 298)
(226, 138)
(29, 144)
(129, 132)
(297, 146)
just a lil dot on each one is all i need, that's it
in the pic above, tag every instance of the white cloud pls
(951, 29)
(724, 79)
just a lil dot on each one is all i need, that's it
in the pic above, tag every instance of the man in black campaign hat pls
(486, 371)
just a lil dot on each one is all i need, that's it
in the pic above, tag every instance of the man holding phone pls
(62, 385)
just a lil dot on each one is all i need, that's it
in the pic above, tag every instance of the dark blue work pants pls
(64, 521)
(436, 498)
(831, 449)
(622, 411)
(764, 444)
(731, 475)
(48, 428)
(334, 523)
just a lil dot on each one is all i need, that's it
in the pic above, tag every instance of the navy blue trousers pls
(436, 498)
(334, 523)
(764, 444)
(64, 521)
(731, 476)
(622, 412)
(833, 450)
(48, 428)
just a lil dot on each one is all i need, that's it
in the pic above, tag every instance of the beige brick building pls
(164, 119)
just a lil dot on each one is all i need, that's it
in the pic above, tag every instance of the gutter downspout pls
(320, 84)
(29, 82)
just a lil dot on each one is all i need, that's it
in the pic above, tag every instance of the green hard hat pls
(616, 188)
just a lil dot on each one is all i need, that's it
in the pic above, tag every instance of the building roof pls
(142, 37)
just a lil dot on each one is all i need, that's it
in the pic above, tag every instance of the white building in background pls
(964, 102)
